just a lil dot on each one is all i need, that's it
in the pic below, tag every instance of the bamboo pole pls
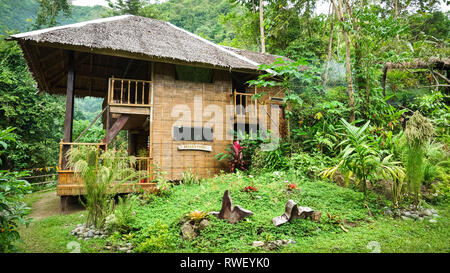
(129, 89)
(121, 92)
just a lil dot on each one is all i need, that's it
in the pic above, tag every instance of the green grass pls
(159, 222)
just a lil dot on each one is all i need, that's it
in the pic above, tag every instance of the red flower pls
(291, 186)
(250, 189)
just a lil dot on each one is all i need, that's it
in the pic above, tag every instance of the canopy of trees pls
(346, 50)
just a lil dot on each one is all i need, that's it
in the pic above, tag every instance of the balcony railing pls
(65, 146)
(243, 103)
(129, 92)
(143, 165)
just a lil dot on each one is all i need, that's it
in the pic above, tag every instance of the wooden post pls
(68, 121)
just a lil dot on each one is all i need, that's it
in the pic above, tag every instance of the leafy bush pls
(272, 160)
(235, 157)
(189, 178)
(162, 185)
(155, 238)
(308, 164)
(12, 210)
(124, 213)
(102, 175)
(360, 158)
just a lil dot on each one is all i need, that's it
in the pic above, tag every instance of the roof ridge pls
(221, 48)
(80, 24)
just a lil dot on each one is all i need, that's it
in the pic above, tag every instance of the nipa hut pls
(144, 69)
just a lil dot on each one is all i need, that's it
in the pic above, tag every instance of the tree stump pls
(230, 213)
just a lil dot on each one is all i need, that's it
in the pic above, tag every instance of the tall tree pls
(120, 7)
(49, 11)
(34, 115)
(330, 47)
(261, 26)
(338, 6)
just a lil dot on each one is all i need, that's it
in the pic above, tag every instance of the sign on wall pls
(195, 147)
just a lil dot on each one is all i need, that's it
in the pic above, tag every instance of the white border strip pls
(76, 25)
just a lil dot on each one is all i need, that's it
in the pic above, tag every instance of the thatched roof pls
(430, 63)
(145, 38)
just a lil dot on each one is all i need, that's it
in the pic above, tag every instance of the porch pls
(128, 106)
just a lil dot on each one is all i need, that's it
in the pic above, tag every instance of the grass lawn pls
(157, 224)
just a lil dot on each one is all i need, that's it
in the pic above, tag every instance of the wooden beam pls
(115, 128)
(51, 55)
(68, 122)
(80, 92)
(90, 125)
(70, 99)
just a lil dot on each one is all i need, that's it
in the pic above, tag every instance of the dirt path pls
(48, 205)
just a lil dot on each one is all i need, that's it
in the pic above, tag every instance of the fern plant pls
(102, 175)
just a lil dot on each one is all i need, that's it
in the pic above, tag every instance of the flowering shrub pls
(250, 189)
(235, 156)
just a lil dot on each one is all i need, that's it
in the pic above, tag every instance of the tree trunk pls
(330, 47)
(348, 67)
(261, 26)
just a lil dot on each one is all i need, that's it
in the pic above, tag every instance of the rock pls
(90, 234)
(388, 212)
(290, 241)
(315, 217)
(414, 216)
(407, 213)
(188, 232)
(123, 249)
(230, 213)
(278, 242)
(432, 221)
(406, 218)
(96, 236)
(258, 243)
(421, 219)
(258, 197)
(433, 211)
(436, 216)
(129, 251)
(203, 224)
(305, 212)
(292, 211)
(428, 212)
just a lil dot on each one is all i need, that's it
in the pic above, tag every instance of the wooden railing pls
(65, 146)
(143, 164)
(243, 103)
(129, 92)
(144, 167)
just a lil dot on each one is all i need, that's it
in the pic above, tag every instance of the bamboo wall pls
(169, 92)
